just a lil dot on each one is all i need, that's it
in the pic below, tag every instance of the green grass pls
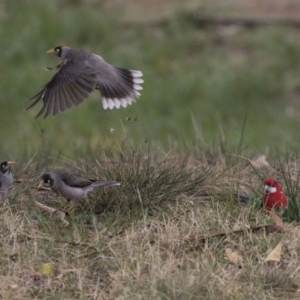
(199, 83)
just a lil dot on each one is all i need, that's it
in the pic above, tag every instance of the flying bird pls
(273, 195)
(6, 178)
(80, 73)
(69, 186)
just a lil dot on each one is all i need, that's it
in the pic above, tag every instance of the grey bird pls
(70, 186)
(78, 75)
(6, 178)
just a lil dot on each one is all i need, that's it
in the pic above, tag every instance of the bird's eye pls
(57, 49)
(48, 181)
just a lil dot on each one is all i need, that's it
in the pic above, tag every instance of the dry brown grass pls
(142, 250)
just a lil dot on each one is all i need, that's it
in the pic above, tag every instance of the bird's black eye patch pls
(3, 167)
(57, 51)
(47, 179)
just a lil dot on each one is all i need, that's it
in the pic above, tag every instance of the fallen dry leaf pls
(277, 220)
(260, 162)
(233, 256)
(13, 286)
(275, 254)
(47, 269)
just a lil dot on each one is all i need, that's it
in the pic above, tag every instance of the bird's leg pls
(67, 208)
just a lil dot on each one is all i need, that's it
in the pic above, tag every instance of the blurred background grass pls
(201, 82)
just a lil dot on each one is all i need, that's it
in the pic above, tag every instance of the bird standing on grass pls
(6, 178)
(70, 186)
(78, 75)
(273, 195)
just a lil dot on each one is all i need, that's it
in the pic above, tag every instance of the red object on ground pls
(273, 195)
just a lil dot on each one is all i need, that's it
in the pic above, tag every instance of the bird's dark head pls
(6, 166)
(46, 181)
(56, 51)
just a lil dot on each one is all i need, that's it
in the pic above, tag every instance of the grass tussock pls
(145, 183)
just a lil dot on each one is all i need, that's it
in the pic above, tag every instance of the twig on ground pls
(53, 211)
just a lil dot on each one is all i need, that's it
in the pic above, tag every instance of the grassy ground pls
(149, 238)
(214, 98)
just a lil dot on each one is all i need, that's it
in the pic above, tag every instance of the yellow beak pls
(40, 186)
(11, 163)
(51, 51)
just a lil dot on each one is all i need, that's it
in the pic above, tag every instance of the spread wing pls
(68, 87)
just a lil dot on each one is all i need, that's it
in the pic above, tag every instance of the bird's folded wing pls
(75, 181)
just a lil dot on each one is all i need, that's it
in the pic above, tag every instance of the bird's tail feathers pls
(105, 183)
(123, 91)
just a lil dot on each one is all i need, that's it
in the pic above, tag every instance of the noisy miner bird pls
(6, 178)
(70, 186)
(78, 75)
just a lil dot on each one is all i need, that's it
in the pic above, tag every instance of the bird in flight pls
(79, 74)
